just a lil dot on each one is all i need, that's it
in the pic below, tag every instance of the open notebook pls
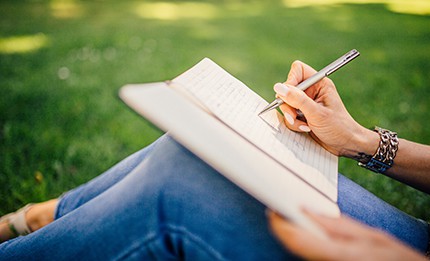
(215, 116)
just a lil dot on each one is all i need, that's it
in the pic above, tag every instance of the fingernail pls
(289, 118)
(281, 89)
(304, 128)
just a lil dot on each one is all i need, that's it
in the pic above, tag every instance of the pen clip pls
(351, 55)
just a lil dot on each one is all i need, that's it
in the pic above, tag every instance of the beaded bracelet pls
(384, 156)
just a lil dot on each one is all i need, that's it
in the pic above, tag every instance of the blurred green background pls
(62, 63)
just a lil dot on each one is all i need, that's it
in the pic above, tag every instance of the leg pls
(41, 214)
(362, 205)
(82, 194)
(172, 206)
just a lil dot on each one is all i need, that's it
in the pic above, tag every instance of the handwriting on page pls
(236, 105)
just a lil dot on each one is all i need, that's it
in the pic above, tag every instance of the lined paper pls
(237, 106)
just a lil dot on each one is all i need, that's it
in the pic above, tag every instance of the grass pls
(62, 63)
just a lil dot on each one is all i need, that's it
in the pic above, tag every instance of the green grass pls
(61, 122)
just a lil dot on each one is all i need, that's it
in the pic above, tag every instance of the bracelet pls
(384, 156)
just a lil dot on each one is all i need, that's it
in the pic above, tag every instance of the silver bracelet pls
(384, 156)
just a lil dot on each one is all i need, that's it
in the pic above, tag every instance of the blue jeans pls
(164, 203)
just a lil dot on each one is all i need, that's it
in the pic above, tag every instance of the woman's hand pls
(327, 119)
(347, 240)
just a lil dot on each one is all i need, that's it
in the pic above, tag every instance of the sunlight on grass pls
(419, 7)
(23, 44)
(66, 8)
(175, 11)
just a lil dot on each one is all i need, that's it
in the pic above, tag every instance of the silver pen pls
(326, 71)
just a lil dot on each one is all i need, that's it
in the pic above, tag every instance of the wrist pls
(384, 156)
(363, 143)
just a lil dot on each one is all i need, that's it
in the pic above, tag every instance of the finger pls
(296, 98)
(289, 114)
(299, 72)
(300, 241)
(292, 121)
(344, 226)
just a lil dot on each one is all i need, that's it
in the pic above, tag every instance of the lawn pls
(62, 63)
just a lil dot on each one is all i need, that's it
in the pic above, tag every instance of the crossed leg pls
(170, 205)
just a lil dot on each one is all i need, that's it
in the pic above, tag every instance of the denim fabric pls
(82, 194)
(362, 205)
(164, 203)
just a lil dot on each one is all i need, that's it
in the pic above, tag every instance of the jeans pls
(164, 203)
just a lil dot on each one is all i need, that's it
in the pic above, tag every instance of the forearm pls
(411, 164)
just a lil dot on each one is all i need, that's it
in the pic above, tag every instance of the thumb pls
(295, 98)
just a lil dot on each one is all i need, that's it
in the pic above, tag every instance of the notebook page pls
(237, 106)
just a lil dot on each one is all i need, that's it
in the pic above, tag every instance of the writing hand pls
(327, 119)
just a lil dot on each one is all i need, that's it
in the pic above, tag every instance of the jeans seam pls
(169, 229)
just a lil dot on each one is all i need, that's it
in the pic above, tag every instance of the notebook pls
(215, 116)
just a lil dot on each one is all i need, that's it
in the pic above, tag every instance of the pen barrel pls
(326, 71)
(329, 69)
(312, 80)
